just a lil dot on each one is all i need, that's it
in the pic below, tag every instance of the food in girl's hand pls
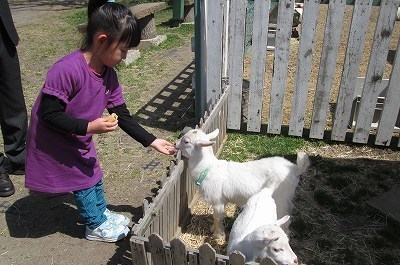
(113, 117)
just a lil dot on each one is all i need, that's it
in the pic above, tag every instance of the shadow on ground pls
(36, 216)
(173, 107)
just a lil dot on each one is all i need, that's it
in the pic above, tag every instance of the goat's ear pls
(283, 220)
(204, 143)
(267, 238)
(213, 134)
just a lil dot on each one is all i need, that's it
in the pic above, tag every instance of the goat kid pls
(257, 233)
(223, 182)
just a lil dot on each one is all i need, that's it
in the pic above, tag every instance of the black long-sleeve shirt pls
(52, 111)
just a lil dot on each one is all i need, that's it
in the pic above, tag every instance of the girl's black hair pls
(115, 20)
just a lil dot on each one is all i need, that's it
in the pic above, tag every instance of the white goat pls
(257, 233)
(223, 182)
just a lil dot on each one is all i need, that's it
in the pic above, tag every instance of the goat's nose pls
(296, 261)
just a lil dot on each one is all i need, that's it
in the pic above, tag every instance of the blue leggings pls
(91, 205)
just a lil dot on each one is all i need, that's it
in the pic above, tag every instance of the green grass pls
(77, 16)
(242, 147)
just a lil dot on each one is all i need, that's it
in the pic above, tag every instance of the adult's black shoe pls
(6, 185)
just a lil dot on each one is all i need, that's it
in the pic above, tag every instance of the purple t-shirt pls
(61, 162)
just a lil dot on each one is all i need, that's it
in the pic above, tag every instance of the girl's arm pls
(52, 111)
(129, 125)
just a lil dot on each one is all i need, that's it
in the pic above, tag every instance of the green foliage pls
(77, 16)
(243, 147)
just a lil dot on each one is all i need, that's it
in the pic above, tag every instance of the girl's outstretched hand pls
(101, 125)
(163, 146)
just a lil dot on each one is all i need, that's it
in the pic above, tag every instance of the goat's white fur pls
(234, 182)
(257, 233)
(398, 14)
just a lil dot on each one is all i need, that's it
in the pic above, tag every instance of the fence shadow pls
(173, 107)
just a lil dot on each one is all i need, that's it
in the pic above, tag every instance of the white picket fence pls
(222, 60)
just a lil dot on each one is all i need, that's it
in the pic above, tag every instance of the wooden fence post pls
(178, 250)
(207, 255)
(236, 258)
(138, 252)
(376, 67)
(157, 249)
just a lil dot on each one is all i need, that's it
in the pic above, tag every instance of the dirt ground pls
(48, 230)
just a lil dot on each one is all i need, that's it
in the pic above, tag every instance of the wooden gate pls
(320, 101)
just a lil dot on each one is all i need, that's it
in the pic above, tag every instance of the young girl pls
(61, 156)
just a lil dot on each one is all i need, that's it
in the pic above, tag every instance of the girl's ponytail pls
(93, 5)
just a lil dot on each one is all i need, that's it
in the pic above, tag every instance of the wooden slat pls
(157, 249)
(138, 252)
(391, 105)
(207, 255)
(179, 202)
(236, 258)
(376, 67)
(171, 213)
(281, 61)
(168, 258)
(355, 46)
(174, 214)
(226, 10)
(214, 28)
(218, 107)
(192, 258)
(258, 58)
(327, 67)
(235, 61)
(178, 251)
(164, 221)
(145, 206)
(169, 208)
(304, 66)
(201, 58)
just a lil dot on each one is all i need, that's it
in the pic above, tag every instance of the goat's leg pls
(218, 227)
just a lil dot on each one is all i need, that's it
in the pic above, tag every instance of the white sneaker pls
(107, 232)
(116, 218)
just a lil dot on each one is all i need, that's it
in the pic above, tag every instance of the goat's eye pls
(277, 249)
(186, 141)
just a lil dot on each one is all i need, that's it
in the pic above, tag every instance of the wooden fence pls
(325, 105)
(170, 208)
(176, 253)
